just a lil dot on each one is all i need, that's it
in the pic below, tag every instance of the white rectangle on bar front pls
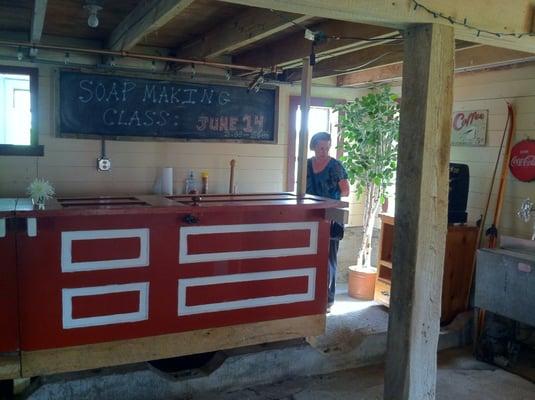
(2, 227)
(67, 265)
(140, 315)
(184, 284)
(184, 257)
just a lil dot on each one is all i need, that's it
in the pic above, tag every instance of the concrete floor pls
(460, 377)
(325, 366)
(355, 336)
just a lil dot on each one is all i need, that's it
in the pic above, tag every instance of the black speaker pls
(458, 193)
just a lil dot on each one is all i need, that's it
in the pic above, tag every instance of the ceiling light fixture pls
(93, 7)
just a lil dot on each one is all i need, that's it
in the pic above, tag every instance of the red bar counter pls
(9, 330)
(113, 280)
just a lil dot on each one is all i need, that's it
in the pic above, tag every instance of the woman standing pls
(326, 177)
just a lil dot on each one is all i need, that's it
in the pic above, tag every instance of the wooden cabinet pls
(458, 266)
(384, 264)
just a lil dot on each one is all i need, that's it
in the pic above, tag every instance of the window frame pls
(34, 148)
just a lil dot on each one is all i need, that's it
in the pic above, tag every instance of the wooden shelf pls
(382, 292)
(458, 265)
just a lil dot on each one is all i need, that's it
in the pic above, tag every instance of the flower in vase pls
(40, 191)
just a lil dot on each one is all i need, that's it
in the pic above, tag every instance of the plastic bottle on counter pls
(191, 183)
(204, 182)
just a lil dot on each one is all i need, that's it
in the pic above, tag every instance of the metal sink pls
(517, 245)
(505, 279)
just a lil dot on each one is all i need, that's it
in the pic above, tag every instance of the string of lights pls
(464, 22)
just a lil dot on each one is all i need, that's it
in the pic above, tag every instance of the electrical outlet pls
(103, 164)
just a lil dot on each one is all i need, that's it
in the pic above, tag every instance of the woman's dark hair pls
(317, 137)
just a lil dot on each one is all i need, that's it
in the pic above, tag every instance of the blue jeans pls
(333, 263)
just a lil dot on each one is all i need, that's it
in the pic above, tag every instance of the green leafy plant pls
(370, 130)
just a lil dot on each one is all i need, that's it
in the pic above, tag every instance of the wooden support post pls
(421, 213)
(306, 83)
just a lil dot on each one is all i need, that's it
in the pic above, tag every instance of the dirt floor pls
(460, 377)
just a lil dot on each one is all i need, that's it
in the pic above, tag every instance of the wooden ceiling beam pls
(243, 30)
(290, 50)
(52, 39)
(370, 57)
(478, 57)
(38, 20)
(147, 17)
(487, 56)
(486, 15)
(383, 73)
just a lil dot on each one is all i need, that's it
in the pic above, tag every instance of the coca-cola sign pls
(522, 164)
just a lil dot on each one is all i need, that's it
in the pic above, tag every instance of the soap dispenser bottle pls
(191, 183)
(204, 182)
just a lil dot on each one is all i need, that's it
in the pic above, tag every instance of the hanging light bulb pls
(92, 20)
(19, 53)
(93, 8)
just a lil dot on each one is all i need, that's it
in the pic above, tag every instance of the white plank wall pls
(70, 164)
(489, 90)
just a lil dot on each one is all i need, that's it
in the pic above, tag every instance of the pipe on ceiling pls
(123, 53)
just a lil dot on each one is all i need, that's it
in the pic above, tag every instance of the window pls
(18, 116)
(321, 117)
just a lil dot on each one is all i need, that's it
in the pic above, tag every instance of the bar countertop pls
(157, 204)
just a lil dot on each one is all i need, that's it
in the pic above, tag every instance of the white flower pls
(40, 189)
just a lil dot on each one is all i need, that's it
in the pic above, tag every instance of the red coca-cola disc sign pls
(522, 164)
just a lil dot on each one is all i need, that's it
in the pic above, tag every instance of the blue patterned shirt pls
(325, 182)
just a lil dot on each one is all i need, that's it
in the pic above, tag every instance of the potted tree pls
(370, 129)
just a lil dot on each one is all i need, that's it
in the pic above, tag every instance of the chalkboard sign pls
(92, 104)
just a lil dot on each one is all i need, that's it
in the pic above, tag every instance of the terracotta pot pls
(361, 282)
